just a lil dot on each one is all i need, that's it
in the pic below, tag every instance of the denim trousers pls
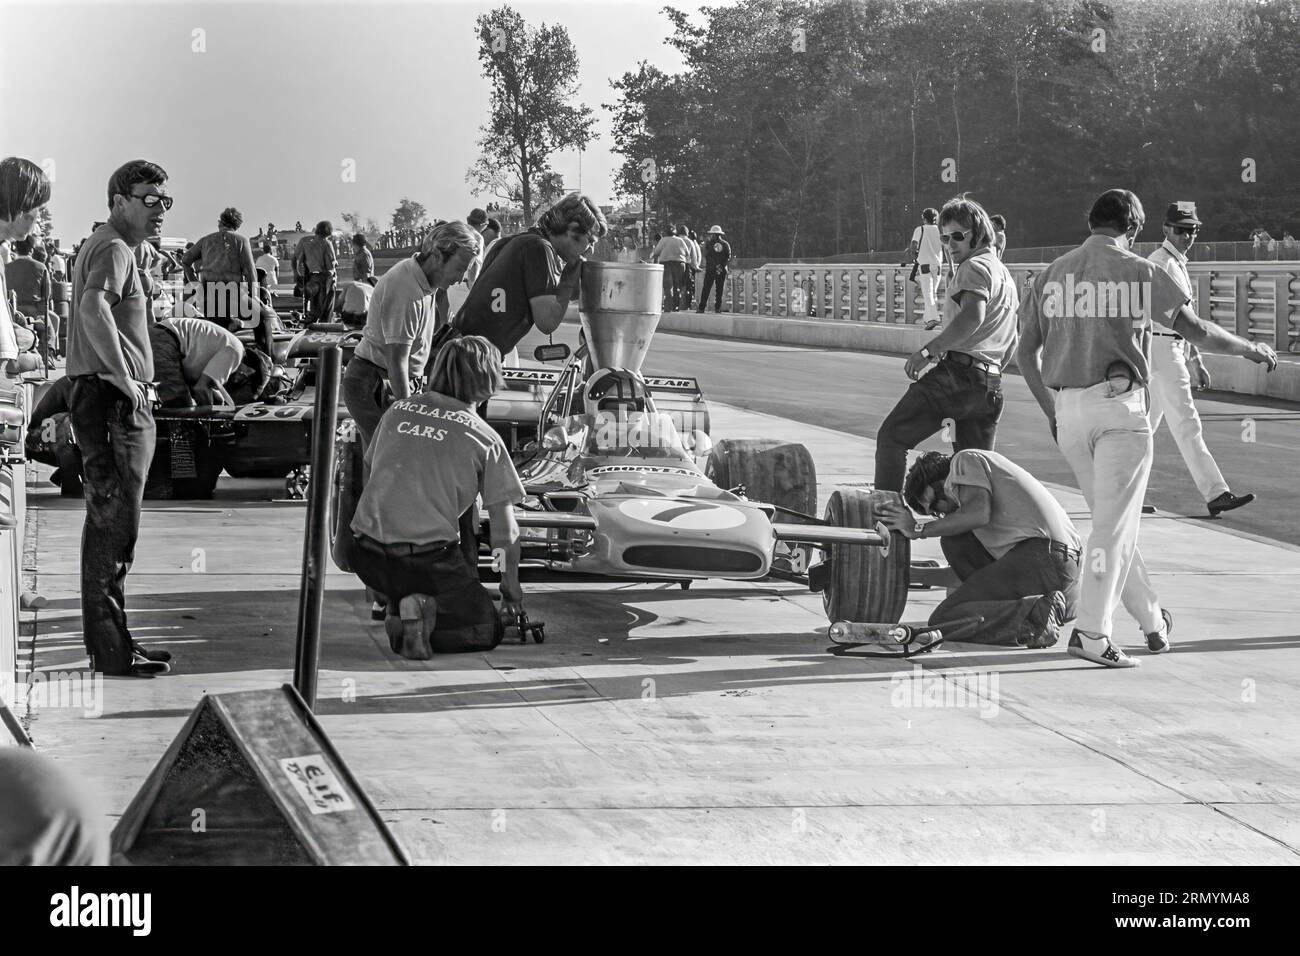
(1003, 590)
(117, 444)
(972, 399)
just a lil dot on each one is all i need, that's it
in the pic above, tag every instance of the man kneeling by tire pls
(429, 458)
(1004, 535)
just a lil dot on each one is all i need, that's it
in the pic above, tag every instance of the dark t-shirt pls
(29, 281)
(518, 268)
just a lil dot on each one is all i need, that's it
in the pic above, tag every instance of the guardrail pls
(1259, 301)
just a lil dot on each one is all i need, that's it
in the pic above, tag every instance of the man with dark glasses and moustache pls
(1174, 361)
(964, 389)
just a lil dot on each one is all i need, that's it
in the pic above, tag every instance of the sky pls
(270, 106)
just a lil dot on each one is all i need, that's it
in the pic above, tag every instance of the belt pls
(969, 361)
(1168, 335)
(1071, 553)
(404, 548)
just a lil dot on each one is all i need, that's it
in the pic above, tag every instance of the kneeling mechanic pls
(430, 457)
(1004, 535)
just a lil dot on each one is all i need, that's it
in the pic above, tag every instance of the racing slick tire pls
(865, 583)
(348, 463)
(776, 472)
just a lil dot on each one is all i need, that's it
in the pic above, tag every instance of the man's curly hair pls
(931, 467)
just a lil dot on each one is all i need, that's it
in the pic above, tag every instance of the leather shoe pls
(1228, 501)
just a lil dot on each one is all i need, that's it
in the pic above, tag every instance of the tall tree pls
(534, 77)
(409, 214)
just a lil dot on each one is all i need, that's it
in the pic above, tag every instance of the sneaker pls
(1158, 641)
(419, 614)
(1045, 620)
(378, 611)
(1099, 650)
(1227, 502)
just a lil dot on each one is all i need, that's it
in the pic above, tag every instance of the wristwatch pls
(925, 353)
(919, 528)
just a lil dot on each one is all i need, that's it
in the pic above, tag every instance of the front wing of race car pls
(673, 538)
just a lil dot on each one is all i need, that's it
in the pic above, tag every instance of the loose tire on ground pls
(776, 472)
(865, 583)
(348, 462)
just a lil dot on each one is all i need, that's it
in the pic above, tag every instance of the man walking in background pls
(673, 252)
(717, 253)
(927, 252)
(225, 259)
(315, 263)
(1173, 360)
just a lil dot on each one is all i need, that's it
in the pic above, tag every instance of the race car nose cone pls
(619, 305)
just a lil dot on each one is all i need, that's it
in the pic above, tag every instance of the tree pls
(45, 222)
(534, 76)
(409, 214)
(358, 225)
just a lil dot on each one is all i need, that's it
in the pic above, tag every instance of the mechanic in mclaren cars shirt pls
(431, 456)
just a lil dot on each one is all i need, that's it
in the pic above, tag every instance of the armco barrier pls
(874, 308)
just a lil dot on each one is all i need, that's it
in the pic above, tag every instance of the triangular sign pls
(253, 779)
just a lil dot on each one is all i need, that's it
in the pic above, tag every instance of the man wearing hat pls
(717, 253)
(1173, 362)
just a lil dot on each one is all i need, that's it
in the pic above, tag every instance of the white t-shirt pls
(929, 249)
(272, 266)
(206, 349)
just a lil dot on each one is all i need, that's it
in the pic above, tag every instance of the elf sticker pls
(316, 784)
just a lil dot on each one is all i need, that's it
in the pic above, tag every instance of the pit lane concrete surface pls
(657, 725)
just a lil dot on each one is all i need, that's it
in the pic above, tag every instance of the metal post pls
(315, 547)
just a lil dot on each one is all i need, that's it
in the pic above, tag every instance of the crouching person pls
(1004, 535)
(431, 455)
(193, 360)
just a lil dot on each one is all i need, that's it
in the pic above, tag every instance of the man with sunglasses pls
(110, 360)
(1174, 361)
(964, 389)
(1085, 353)
(522, 284)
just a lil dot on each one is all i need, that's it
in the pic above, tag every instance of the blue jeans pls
(1004, 590)
(971, 398)
(117, 446)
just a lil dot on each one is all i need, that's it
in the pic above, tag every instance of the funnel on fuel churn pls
(619, 304)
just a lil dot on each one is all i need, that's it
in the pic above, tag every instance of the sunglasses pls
(953, 236)
(152, 200)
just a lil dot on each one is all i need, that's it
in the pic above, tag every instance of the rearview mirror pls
(555, 439)
(553, 352)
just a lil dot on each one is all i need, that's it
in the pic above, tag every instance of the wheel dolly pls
(895, 640)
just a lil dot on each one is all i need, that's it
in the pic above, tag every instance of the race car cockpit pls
(620, 420)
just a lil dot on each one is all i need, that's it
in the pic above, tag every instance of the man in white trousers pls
(1174, 360)
(1085, 353)
(927, 252)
